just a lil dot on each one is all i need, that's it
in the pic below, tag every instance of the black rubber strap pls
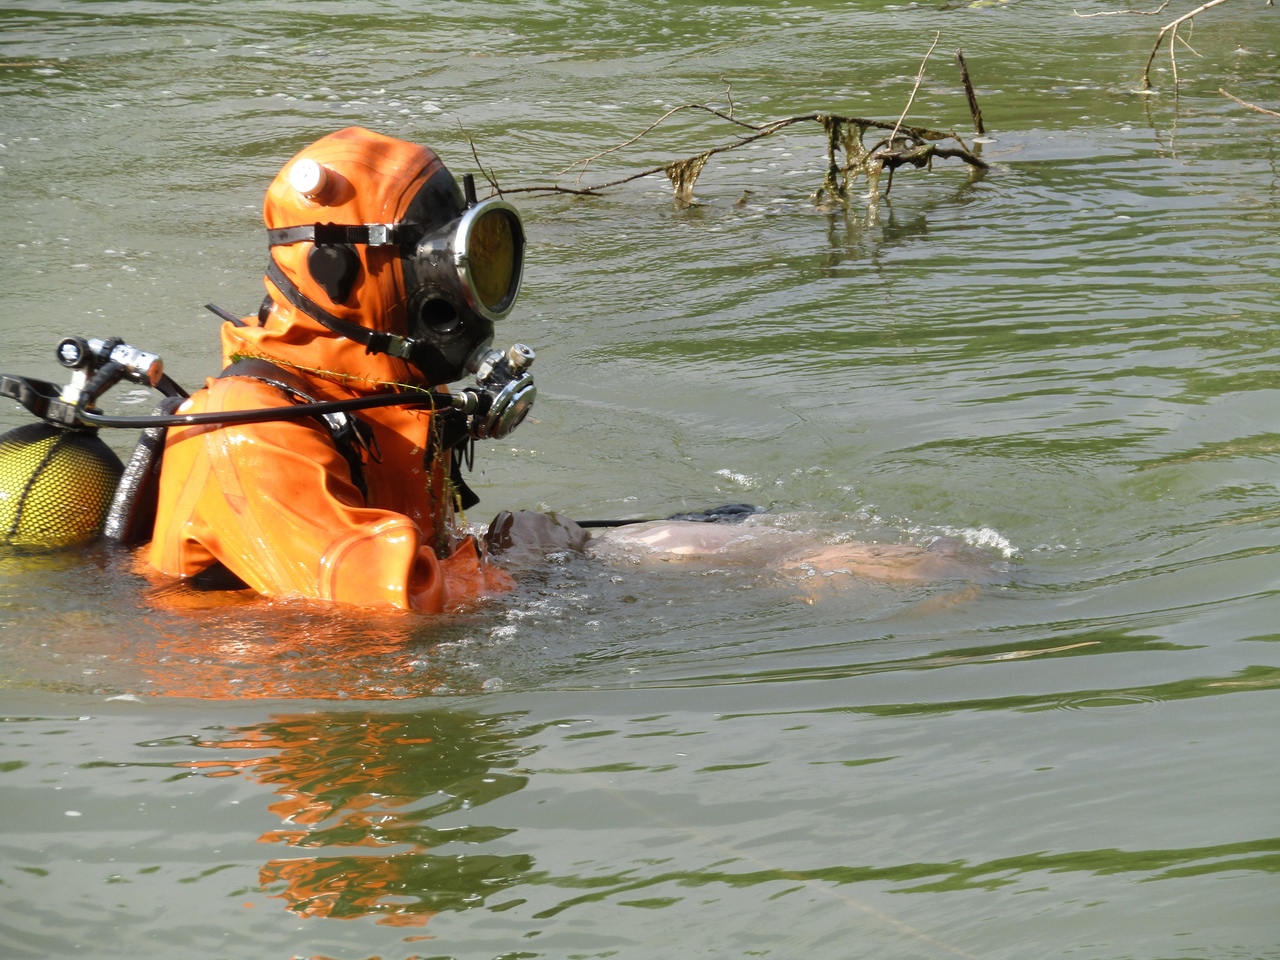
(374, 341)
(331, 234)
(449, 431)
(344, 429)
(255, 368)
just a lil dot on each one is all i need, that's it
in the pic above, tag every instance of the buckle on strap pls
(389, 343)
(331, 234)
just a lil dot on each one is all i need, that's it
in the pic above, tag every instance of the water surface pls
(1066, 365)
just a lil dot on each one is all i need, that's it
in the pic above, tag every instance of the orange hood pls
(370, 179)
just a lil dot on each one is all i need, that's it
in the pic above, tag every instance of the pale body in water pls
(754, 541)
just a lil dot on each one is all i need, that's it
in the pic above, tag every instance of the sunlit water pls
(1062, 371)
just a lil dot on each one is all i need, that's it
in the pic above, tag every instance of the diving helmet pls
(372, 237)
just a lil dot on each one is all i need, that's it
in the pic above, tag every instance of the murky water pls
(1064, 368)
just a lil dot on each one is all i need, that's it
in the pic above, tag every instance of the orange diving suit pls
(369, 291)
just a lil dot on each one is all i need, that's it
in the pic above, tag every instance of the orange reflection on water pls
(369, 780)
(322, 887)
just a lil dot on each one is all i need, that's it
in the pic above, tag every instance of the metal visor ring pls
(481, 258)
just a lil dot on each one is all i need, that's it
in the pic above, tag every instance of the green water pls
(1067, 364)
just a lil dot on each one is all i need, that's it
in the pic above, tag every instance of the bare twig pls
(1189, 47)
(761, 131)
(919, 79)
(1251, 106)
(556, 188)
(1123, 13)
(653, 126)
(1171, 29)
(968, 92)
(480, 166)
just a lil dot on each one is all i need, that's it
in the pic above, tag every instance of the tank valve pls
(100, 364)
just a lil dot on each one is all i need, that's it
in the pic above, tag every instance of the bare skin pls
(526, 537)
(793, 555)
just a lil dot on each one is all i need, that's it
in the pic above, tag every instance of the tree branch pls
(1123, 13)
(968, 92)
(1171, 28)
(847, 155)
(1251, 106)
(906, 145)
(919, 79)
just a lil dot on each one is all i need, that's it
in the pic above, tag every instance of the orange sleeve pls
(274, 502)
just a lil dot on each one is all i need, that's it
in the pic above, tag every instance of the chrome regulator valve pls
(503, 393)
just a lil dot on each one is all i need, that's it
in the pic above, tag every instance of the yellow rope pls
(334, 376)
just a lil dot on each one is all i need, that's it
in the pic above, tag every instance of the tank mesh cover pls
(55, 485)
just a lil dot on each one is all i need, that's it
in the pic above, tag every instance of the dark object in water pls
(729, 513)
(526, 536)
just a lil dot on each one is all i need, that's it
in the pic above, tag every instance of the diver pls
(383, 278)
(325, 460)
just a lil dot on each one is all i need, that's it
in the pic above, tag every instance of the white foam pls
(983, 537)
(741, 479)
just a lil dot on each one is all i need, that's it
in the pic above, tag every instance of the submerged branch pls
(844, 136)
(1169, 30)
(1251, 106)
(974, 111)
(847, 155)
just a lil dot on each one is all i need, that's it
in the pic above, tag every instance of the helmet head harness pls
(459, 261)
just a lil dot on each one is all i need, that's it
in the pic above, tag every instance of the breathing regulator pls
(62, 485)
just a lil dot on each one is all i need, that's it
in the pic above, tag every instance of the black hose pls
(170, 387)
(226, 315)
(297, 412)
(729, 513)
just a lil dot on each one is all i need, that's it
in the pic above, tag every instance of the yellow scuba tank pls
(56, 485)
